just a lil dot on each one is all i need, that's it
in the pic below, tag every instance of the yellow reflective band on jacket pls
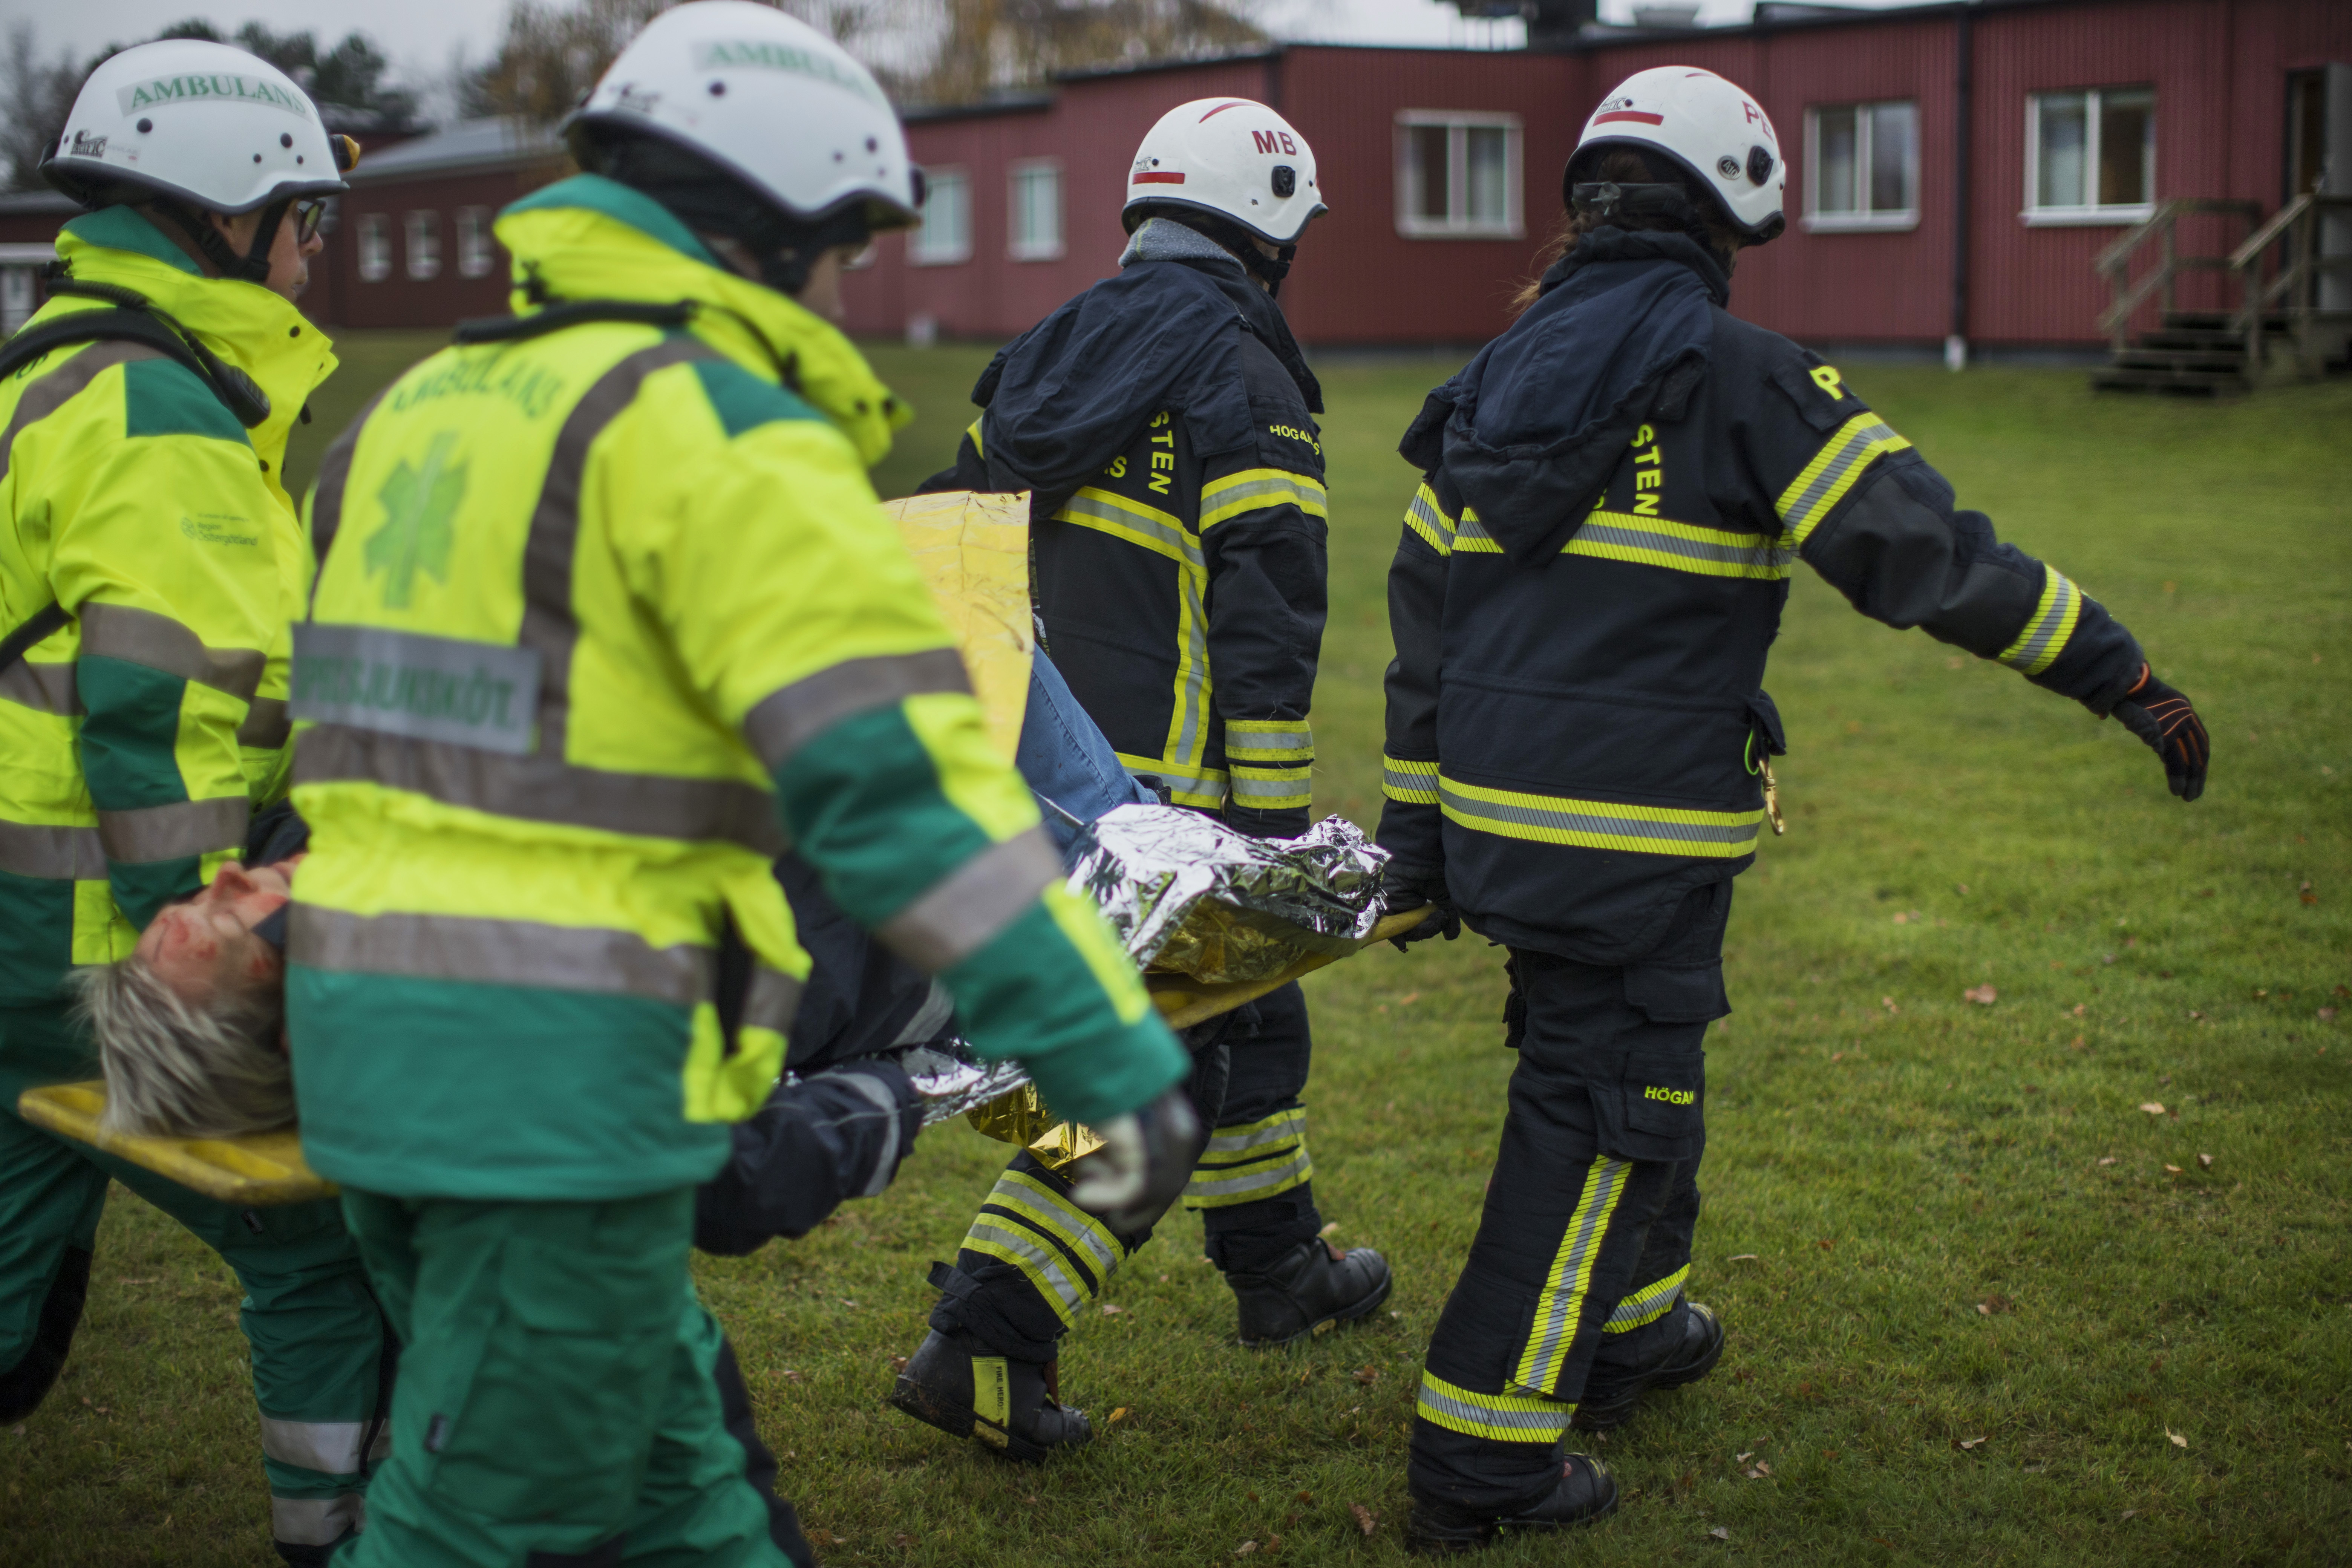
(1471, 538)
(1428, 520)
(1254, 489)
(1826, 480)
(1647, 1305)
(1184, 764)
(1561, 1305)
(2048, 627)
(1681, 546)
(1252, 1160)
(1599, 824)
(973, 430)
(1501, 1417)
(1408, 780)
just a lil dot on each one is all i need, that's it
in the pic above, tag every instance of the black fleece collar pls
(1641, 245)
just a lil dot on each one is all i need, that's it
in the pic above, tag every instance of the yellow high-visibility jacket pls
(607, 614)
(134, 741)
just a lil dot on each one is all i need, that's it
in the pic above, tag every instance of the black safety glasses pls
(307, 216)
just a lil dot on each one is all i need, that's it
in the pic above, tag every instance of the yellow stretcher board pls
(973, 551)
(254, 1171)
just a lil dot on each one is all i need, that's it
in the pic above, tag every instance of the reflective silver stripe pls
(1259, 786)
(59, 854)
(885, 1165)
(2051, 626)
(1255, 742)
(52, 389)
(1252, 1180)
(1225, 498)
(1411, 783)
(44, 687)
(267, 726)
(500, 952)
(967, 909)
(1646, 1305)
(1561, 820)
(931, 1019)
(1833, 471)
(455, 689)
(783, 721)
(1074, 1227)
(771, 1000)
(329, 1448)
(159, 642)
(1470, 534)
(1505, 1418)
(1043, 1266)
(316, 1521)
(1284, 1128)
(1561, 1304)
(1619, 535)
(543, 788)
(1188, 744)
(1423, 515)
(168, 832)
(1190, 785)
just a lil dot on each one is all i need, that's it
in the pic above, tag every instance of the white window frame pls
(2082, 216)
(477, 251)
(372, 240)
(1868, 221)
(1033, 249)
(1457, 223)
(422, 262)
(917, 256)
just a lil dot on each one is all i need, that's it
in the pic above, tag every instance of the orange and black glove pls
(2164, 718)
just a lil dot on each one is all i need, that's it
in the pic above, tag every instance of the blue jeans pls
(1068, 761)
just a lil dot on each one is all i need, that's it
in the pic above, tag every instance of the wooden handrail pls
(2248, 254)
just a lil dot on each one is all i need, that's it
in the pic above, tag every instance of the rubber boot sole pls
(956, 1421)
(1593, 1416)
(1347, 1314)
(1426, 1537)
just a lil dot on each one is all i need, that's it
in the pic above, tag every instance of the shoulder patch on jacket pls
(744, 402)
(1817, 388)
(164, 397)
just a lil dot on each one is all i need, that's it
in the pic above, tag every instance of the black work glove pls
(2163, 718)
(1145, 1161)
(1410, 887)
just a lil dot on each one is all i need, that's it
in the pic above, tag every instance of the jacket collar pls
(1641, 245)
(589, 238)
(252, 328)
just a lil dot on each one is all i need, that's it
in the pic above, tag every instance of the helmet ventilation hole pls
(145, 126)
(285, 139)
(717, 89)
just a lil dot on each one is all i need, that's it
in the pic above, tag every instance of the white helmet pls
(1709, 126)
(768, 98)
(208, 124)
(1231, 156)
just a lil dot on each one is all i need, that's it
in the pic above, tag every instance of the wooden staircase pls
(2196, 352)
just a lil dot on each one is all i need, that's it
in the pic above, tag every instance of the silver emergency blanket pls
(1189, 896)
(952, 1080)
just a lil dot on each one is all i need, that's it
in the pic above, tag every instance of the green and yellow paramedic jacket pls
(1164, 419)
(606, 616)
(134, 741)
(1576, 712)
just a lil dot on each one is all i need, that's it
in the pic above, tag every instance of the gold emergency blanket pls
(973, 551)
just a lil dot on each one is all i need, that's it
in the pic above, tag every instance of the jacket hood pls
(252, 328)
(589, 238)
(1068, 395)
(1531, 429)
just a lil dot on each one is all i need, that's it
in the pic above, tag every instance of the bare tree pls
(36, 97)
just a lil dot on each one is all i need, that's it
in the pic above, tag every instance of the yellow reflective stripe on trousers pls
(1503, 1418)
(1680, 546)
(1086, 1239)
(1427, 518)
(1413, 782)
(1251, 1160)
(1038, 1263)
(1271, 789)
(2048, 627)
(1565, 1287)
(1161, 532)
(1599, 824)
(1187, 786)
(1254, 489)
(1264, 742)
(1647, 1305)
(1833, 470)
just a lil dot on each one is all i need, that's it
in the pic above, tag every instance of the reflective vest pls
(134, 741)
(605, 614)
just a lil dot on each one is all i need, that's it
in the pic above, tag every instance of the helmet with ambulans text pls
(1709, 128)
(1232, 157)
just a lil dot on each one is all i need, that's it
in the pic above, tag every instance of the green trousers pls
(320, 1358)
(557, 1400)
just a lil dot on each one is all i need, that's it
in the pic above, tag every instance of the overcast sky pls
(423, 37)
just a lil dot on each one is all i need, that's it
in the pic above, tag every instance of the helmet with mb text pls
(1709, 128)
(1230, 157)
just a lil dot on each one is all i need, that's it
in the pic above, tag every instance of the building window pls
(2090, 157)
(424, 244)
(1457, 174)
(1036, 203)
(375, 248)
(1862, 166)
(477, 252)
(944, 238)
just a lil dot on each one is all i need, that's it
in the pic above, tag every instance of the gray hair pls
(174, 1070)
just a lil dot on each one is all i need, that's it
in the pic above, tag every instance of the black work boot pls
(1308, 1291)
(957, 1385)
(1586, 1491)
(1687, 1345)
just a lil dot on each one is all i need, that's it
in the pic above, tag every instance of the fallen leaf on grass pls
(897, 1363)
(1967, 1443)
(2125, 1514)
(1111, 1311)
(1888, 1002)
(1330, 1229)
(793, 1375)
(2177, 1440)
(1306, 1497)
(2307, 896)
(1366, 1375)
(1721, 1533)
(1116, 1417)
(1982, 995)
(2326, 1016)
(2107, 1160)
(902, 1540)
(1996, 1302)
(1744, 1257)
(2037, 1469)
(823, 1537)
(1365, 1519)
(1246, 1549)
(2153, 1107)
(2080, 1010)
(2174, 1169)
(1825, 1244)
(1409, 998)
(2204, 1162)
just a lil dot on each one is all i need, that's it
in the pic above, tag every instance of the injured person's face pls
(197, 945)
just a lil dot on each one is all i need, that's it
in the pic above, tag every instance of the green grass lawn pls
(1984, 1307)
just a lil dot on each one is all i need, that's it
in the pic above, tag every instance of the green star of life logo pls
(417, 533)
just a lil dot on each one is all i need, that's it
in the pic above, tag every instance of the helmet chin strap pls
(1605, 201)
(1268, 269)
(253, 267)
